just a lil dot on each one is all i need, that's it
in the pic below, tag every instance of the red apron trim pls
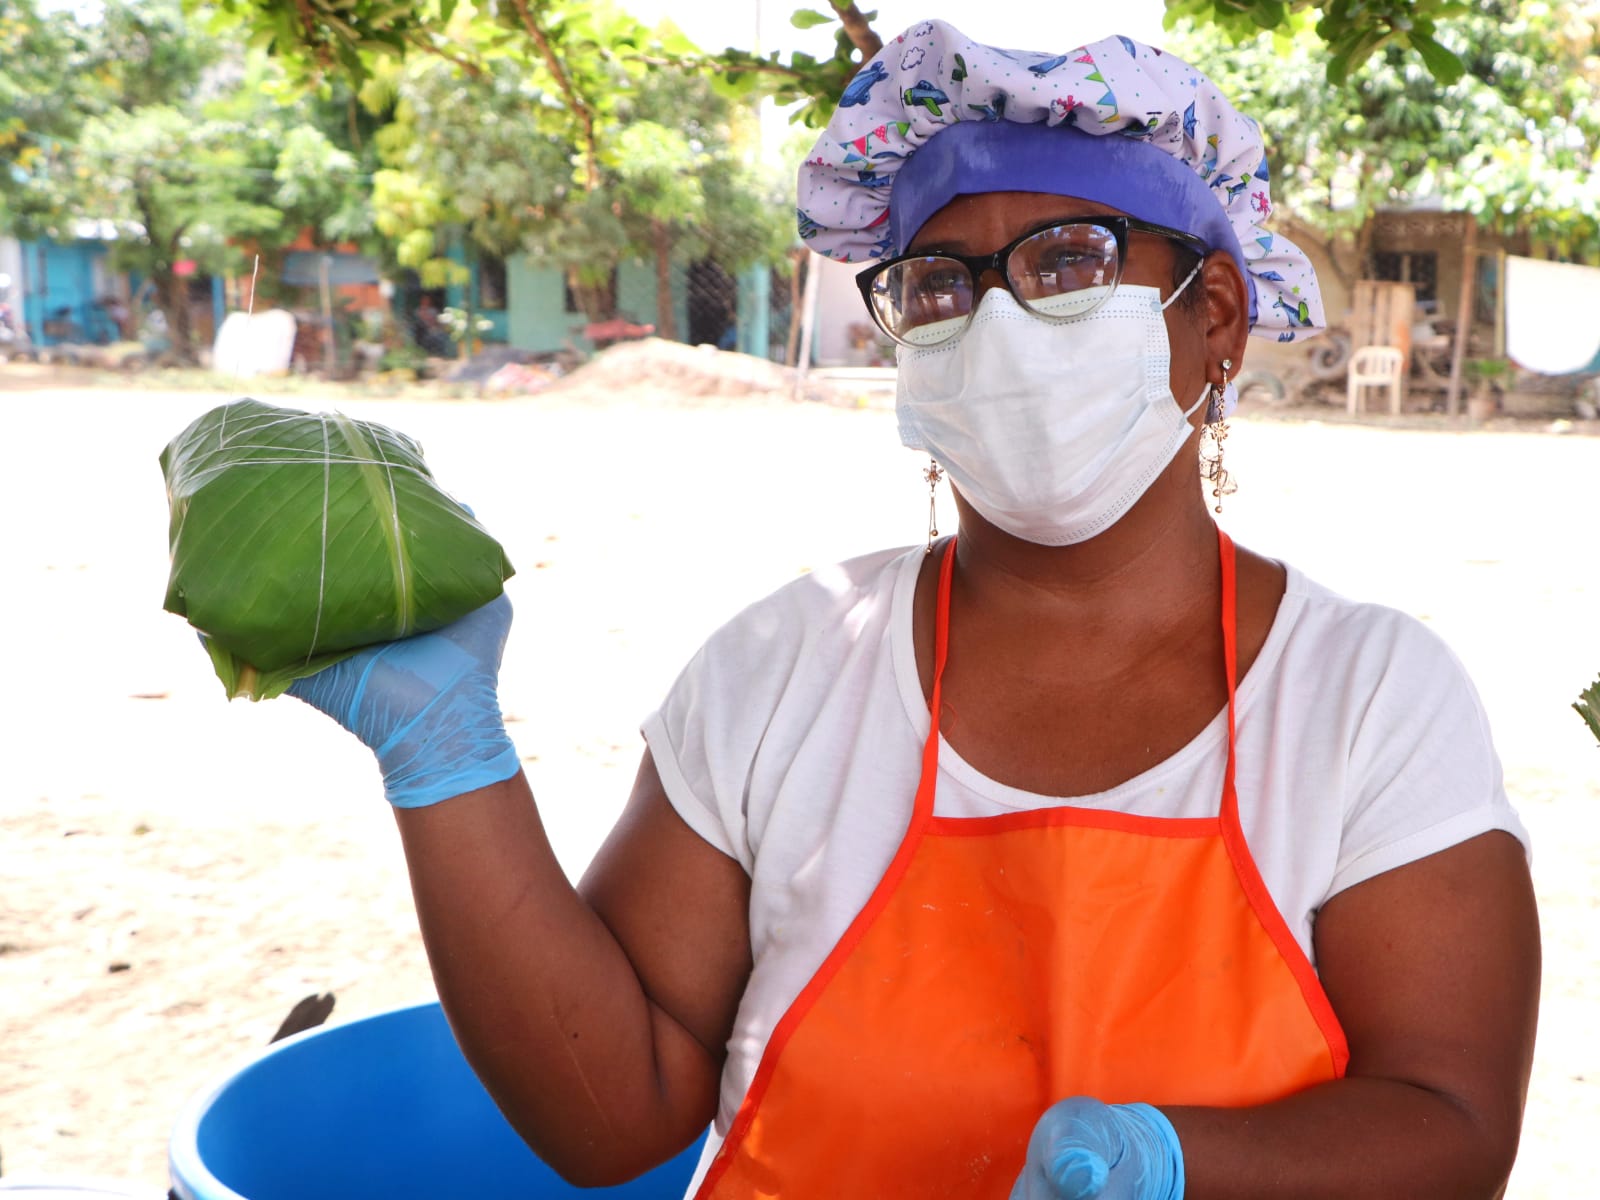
(921, 814)
(1244, 863)
(1066, 814)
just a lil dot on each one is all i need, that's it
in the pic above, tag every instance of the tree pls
(46, 56)
(185, 145)
(164, 178)
(1511, 141)
(1351, 31)
(577, 41)
(495, 156)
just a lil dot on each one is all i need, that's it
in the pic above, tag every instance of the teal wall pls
(636, 295)
(537, 321)
(755, 311)
(455, 296)
(534, 298)
(57, 275)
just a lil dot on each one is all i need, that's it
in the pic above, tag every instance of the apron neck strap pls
(941, 651)
(1226, 557)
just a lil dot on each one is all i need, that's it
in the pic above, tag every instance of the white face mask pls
(1051, 430)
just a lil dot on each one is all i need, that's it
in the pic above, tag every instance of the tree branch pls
(709, 63)
(430, 46)
(574, 101)
(858, 27)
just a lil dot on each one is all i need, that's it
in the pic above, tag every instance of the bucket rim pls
(184, 1164)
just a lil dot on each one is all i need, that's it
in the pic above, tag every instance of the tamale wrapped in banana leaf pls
(298, 537)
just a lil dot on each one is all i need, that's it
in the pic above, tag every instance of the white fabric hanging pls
(1552, 315)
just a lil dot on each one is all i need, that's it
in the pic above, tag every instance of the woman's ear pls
(1227, 312)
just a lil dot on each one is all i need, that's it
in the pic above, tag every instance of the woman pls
(1082, 854)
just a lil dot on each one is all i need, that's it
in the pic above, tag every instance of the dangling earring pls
(933, 475)
(1215, 431)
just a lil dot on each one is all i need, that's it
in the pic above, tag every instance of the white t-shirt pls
(792, 742)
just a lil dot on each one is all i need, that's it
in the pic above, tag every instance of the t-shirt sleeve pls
(748, 695)
(1423, 772)
(707, 732)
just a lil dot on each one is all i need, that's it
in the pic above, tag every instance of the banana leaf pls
(297, 538)
(1588, 707)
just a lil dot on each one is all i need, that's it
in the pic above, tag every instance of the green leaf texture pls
(297, 538)
(1588, 707)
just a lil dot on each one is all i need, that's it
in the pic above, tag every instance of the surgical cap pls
(1114, 121)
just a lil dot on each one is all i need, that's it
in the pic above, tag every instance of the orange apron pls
(1005, 962)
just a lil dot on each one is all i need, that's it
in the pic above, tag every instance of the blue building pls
(55, 288)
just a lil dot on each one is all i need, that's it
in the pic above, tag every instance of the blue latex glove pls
(1082, 1149)
(426, 706)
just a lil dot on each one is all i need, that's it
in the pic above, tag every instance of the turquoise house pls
(708, 305)
(56, 288)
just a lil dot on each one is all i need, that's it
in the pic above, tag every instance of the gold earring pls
(933, 475)
(1215, 430)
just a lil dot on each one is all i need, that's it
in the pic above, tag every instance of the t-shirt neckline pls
(1212, 738)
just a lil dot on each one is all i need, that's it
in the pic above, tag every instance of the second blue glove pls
(1082, 1149)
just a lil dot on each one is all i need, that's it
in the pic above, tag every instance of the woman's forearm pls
(542, 997)
(1351, 1138)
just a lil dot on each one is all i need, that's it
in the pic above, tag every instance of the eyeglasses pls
(1060, 270)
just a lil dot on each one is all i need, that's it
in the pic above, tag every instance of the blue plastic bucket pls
(385, 1107)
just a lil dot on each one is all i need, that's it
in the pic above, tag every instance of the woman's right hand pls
(426, 706)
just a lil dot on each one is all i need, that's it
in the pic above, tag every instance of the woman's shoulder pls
(840, 600)
(1321, 612)
(1359, 651)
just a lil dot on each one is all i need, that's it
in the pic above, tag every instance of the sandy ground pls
(176, 871)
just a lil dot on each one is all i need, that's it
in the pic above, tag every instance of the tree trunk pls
(172, 292)
(596, 301)
(666, 314)
(172, 297)
(791, 353)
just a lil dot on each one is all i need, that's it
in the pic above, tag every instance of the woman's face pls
(981, 224)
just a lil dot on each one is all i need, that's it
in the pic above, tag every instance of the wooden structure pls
(1436, 255)
(1383, 314)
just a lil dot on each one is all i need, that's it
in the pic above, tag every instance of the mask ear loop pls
(1178, 291)
(1187, 280)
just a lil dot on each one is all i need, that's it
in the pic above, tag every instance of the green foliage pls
(43, 57)
(160, 175)
(580, 41)
(457, 321)
(320, 184)
(1351, 30)
(484, 154)
(142, 119)
(497, 156)
(1511, 141)
(1588, 707)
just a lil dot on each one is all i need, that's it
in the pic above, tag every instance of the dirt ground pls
(176, 871)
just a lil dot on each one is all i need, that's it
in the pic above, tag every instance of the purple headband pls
(1141, 180)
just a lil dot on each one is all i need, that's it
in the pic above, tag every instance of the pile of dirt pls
(693, 372)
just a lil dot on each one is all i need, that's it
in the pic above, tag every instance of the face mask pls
(1051, 430)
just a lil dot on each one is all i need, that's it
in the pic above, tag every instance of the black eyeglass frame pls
(1118, 226)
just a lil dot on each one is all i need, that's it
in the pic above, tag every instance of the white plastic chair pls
(1375, 366)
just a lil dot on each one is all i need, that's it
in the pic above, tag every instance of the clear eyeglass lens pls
(923, 301)
(1064, 270)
